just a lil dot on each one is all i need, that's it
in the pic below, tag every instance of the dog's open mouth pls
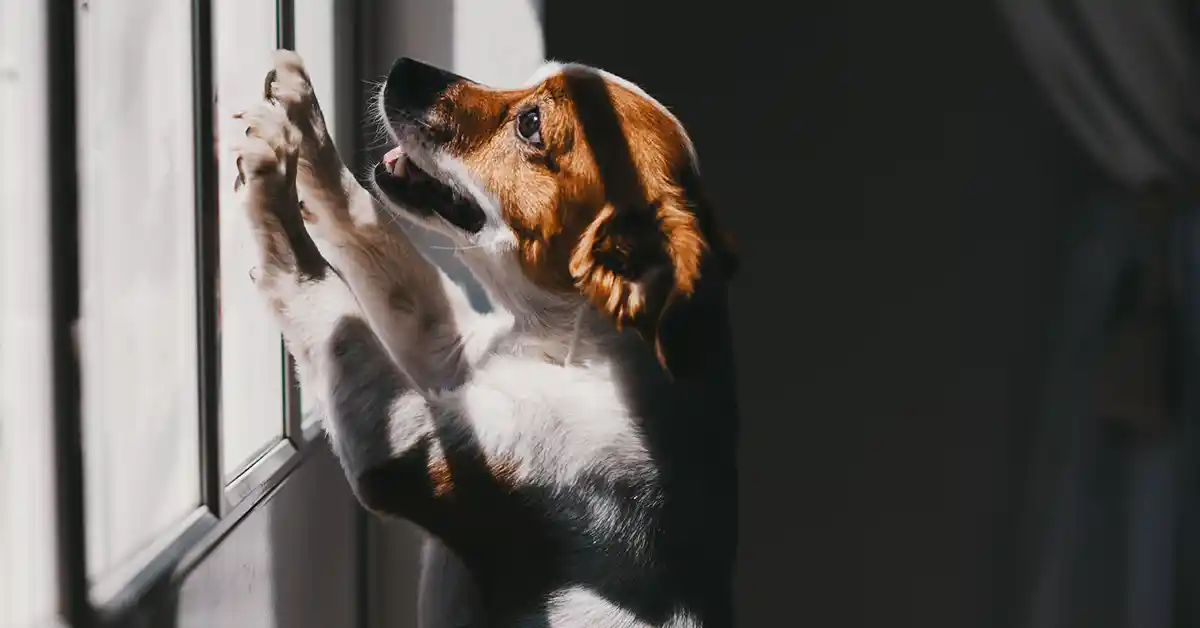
(411, 188)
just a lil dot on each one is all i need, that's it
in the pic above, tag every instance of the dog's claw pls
(267, 82)
(305, 214)
(240, 179)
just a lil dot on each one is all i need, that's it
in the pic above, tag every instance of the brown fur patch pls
(502, 470)
(439, 476)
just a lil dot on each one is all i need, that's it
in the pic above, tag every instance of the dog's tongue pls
(391, 157)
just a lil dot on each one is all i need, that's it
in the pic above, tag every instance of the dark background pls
(901, 191)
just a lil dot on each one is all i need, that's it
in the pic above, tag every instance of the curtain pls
(1113, 521)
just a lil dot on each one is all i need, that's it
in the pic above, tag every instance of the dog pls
(575, 444)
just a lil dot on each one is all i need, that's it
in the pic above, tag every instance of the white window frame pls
(29, 574)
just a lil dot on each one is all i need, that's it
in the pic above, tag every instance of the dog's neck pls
(564, 327)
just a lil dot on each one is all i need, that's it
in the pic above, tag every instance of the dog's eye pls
(529, 126)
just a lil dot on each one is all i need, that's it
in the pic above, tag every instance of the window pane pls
(27, 572)
(315, 24)
(138, 333)
(251, 347)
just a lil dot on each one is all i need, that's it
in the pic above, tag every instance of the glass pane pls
(138, 333)
(314, 30)
(251, 347)
(27, 572)
(315, 24)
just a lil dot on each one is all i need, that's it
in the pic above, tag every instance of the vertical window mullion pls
(285, 23)
(207, 258)
(74, 602)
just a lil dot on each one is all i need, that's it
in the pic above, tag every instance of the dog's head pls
(590, 185)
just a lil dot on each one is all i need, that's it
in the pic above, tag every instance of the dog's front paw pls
(270, 146)
(288, 84)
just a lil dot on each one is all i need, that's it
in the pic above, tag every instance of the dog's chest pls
(553, 422)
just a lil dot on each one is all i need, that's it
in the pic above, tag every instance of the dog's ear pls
(647, 268)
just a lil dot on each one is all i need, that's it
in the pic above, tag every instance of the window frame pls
(28, 483)
(123, 596)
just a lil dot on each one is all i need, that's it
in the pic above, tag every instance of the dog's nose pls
(414, 87)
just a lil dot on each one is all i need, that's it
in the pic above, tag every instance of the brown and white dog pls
(575, 445)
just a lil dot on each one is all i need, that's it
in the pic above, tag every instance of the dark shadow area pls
(901, 194)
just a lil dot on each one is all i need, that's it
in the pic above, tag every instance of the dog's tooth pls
(393, 161)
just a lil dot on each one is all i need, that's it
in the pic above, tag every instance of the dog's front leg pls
(374, 403)
(381, 428)
(423, 319)
(375, 417)
(402, 455)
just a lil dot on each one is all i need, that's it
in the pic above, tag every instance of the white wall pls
(492, 41)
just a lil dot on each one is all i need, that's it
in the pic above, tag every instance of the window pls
(137, 331)
(146, 399)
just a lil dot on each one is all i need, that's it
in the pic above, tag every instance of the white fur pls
(581, 607)
(558, 421)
